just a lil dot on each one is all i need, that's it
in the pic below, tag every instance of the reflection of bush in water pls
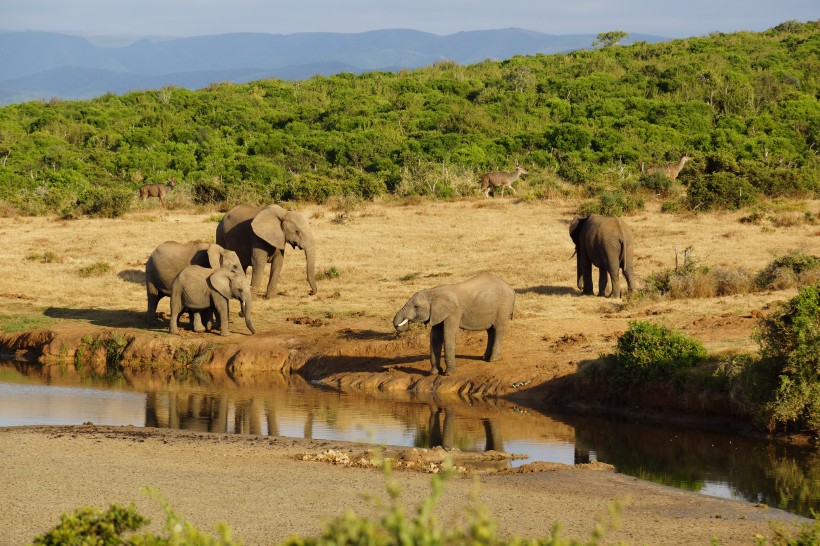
(776, 474)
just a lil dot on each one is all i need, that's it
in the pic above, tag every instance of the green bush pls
(613, 203)
(790, 339)
(651, 351)
(93, 526)
(657, 183)
(106, 202)
(788, 271)
(721, 190)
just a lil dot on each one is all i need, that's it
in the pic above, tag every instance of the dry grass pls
(384, 252)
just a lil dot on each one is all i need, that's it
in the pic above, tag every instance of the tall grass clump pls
(648, 351)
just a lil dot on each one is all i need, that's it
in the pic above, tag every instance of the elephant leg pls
(616, 282)
(259, 259)
(450, 328)
(436, 343)
(586, 273)
(196, 320)
(222, 307)
(151, 316)
(176, 309)
(222, 311)
(629, 283)
(603, 277)
(491, 341)
(275, 271)
(498, 331)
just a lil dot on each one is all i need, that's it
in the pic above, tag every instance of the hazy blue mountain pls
(44, 65)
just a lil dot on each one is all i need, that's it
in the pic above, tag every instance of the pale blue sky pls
(201, 17)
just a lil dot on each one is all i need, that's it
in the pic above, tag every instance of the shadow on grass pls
(100, 317)
(134, 276)
(548, 290)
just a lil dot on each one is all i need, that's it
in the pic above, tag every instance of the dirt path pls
(258, 486)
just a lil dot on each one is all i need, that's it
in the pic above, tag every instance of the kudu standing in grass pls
(157, 190)
(502, 179)
(669, 170)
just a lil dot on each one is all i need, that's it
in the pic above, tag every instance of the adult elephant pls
(203, 289)
(170, 258)
(605, 242)
(484, 302)
(259, 235)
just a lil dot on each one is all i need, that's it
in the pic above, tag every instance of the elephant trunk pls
(310, 264)
(400, 322)
(246, 308)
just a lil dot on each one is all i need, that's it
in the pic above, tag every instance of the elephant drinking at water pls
(606, 243)
(259, 235)
(484, 302)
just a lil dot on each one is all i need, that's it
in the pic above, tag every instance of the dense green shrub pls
(720, 190)
(106, 202)
(613, 203)
(651, 351)
(790, 339)
(744, 104)
(89, 526)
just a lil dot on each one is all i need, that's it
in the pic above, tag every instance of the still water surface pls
(717, 464)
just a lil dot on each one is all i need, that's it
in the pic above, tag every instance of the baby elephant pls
(202, 289)
(484, 302)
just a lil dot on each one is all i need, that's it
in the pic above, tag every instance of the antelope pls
(503, 179)
(669, 170)
(157, 190)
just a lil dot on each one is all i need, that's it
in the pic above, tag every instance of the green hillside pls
(744, 106)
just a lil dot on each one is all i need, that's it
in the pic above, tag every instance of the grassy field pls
(373, 256)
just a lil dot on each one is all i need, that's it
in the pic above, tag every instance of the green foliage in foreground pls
(91, 526)
(743, 105)
(650, 351)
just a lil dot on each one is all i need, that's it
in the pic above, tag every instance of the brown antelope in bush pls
(670, 170)
(157, 190)
(502, 179)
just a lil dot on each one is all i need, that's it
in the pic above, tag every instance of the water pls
(716, 464)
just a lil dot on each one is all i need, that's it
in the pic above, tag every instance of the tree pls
(611, 38)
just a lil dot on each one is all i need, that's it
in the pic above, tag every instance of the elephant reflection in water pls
(441, 432)
(209, 412)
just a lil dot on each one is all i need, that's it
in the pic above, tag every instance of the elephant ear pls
(215, 256)
(575, 226)
(220, 281)
(442, 305)
(267, 225)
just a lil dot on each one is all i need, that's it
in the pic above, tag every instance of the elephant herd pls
(202, 278)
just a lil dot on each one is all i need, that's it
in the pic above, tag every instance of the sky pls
(180, 18)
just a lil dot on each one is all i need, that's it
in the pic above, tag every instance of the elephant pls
(605, 242)
(259, 235)
(202, 289)
(483, 302)
(171, 257)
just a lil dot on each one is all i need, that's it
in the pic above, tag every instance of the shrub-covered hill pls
(744, 106)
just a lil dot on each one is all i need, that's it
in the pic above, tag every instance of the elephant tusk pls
(402, 323)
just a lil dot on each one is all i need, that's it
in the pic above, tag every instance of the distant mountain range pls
(45, 65)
